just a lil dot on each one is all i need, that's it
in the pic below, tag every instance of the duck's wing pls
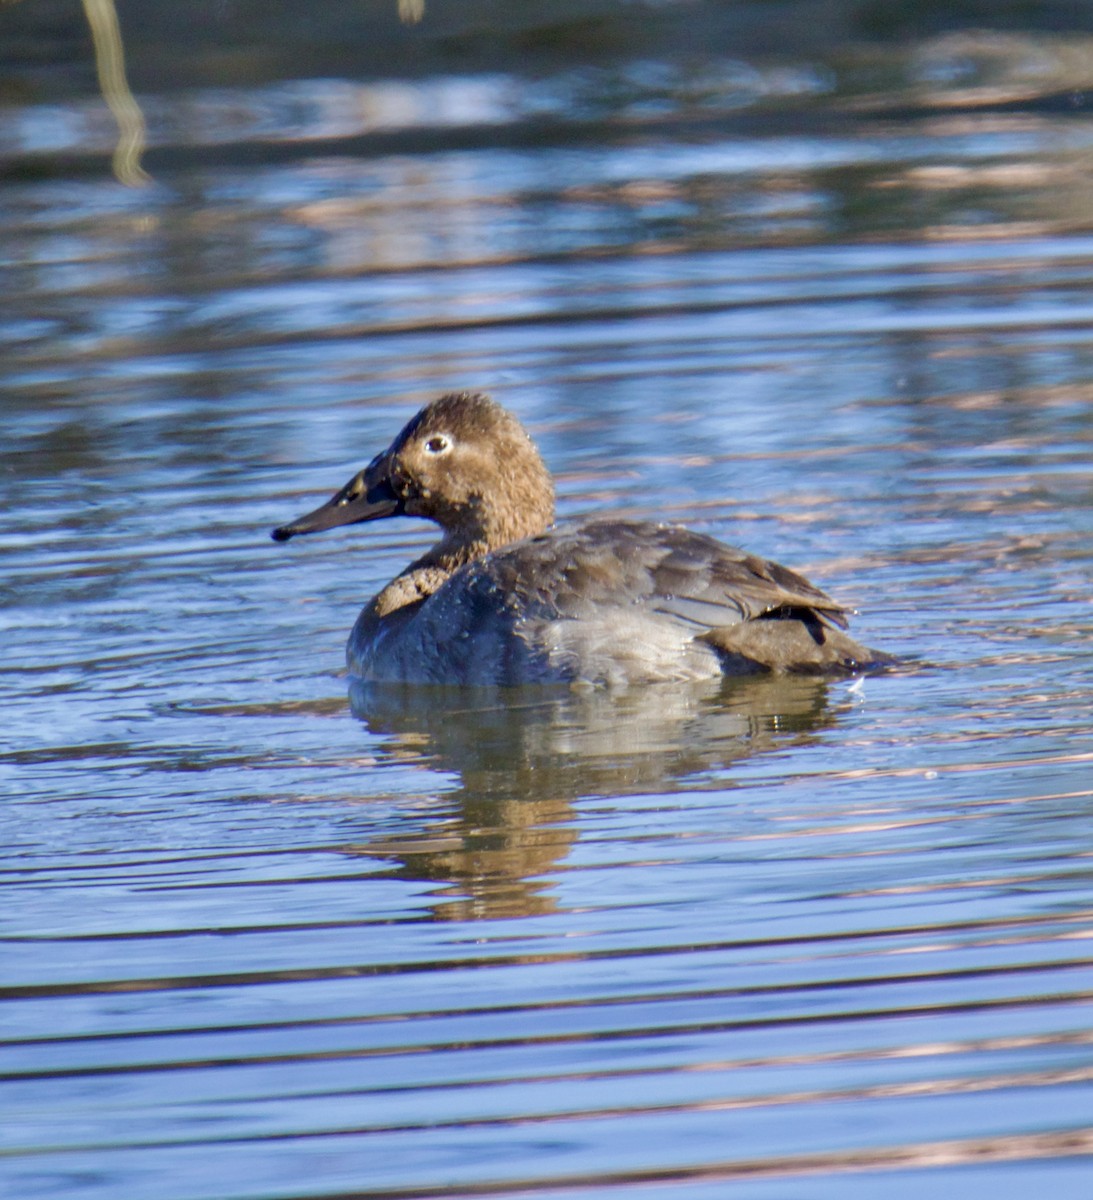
(579, 570)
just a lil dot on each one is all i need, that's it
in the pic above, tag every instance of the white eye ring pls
(438, 444)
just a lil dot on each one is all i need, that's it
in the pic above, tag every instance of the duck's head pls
(463, 462)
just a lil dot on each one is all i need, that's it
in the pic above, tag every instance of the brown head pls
(463, 462)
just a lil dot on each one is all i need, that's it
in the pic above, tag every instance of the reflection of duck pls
(546, 743)
(504, 599)
(522, 757)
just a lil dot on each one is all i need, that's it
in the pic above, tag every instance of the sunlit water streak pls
(808, 935)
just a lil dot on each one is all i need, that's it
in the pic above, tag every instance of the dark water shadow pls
(523, 757)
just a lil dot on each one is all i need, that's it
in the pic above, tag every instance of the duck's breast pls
(470, 632)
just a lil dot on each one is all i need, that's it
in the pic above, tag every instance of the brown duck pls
(505, 597)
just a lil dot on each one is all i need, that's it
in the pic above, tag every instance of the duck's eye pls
(439, 443)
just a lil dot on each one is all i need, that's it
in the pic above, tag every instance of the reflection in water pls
(102, 17)
(523, 756)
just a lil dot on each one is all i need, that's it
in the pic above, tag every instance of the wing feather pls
(703, 583)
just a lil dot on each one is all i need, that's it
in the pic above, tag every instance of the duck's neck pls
(454, 551)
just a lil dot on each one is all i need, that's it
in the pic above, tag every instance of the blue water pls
(779, 939)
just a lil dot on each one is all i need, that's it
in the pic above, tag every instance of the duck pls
(506, 597)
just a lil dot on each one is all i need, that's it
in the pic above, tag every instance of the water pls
(779, 939)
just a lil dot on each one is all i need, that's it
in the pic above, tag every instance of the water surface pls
(824, 297)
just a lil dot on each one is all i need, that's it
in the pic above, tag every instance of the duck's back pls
(615, 602)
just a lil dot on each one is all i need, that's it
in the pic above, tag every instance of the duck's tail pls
(798, 645)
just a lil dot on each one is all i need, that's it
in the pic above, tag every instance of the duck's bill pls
(355, 502)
